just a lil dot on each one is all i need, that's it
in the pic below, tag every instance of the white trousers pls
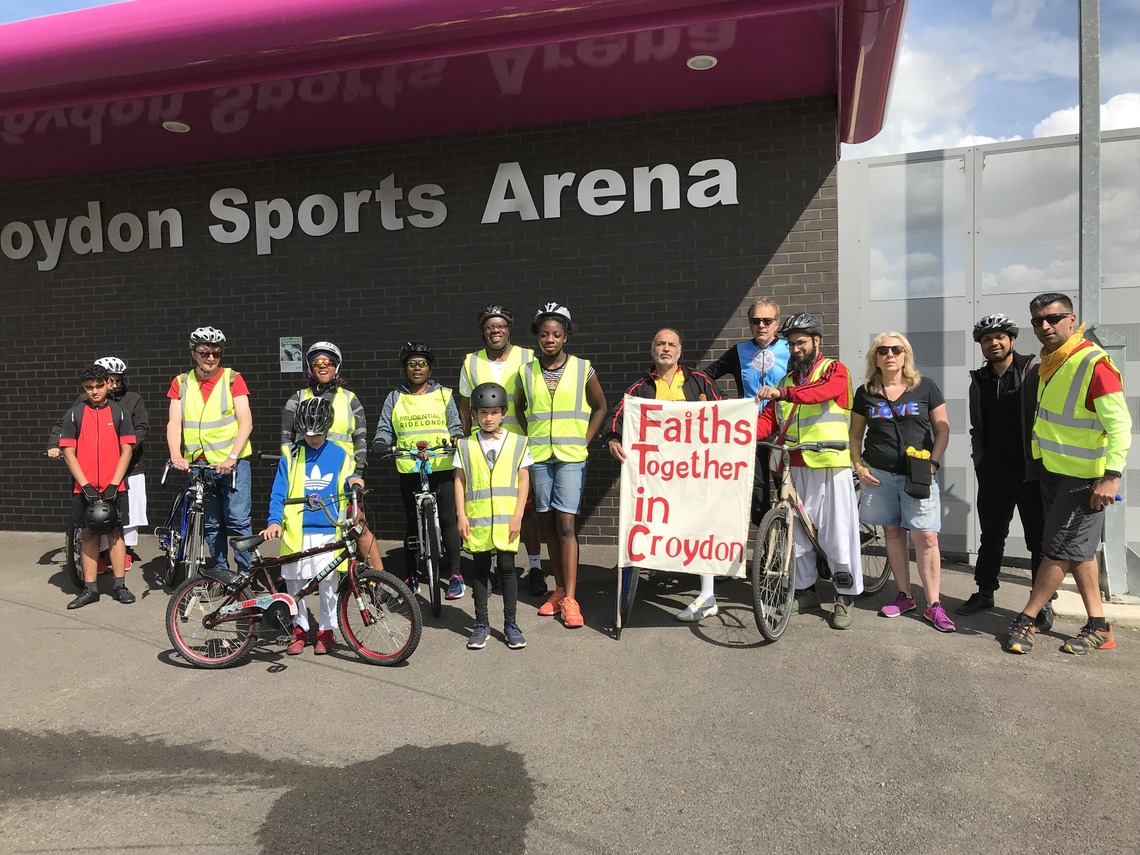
(136, 508)
(299, 572)
(829, 497)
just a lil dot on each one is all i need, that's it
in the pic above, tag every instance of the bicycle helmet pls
(555, 311)
(323, 348)
(314, 416)
(488, 395)
(113, 364)
(495, 311)
(207, 335)
(804, 322)
(101, 517)
(995, 323)
(416, 348)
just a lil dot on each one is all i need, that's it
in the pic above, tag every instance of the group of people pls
(1049, 436)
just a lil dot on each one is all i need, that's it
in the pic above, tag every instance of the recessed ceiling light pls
(176, 127)
(701, 62)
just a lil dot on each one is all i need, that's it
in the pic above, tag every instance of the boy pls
(313, 467)
(491, 481)
(96, 439)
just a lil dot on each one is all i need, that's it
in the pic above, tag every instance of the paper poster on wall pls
(290, 353)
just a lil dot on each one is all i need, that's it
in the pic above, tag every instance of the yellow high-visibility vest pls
(478, 370)
(293, 516)
(818, 423)
(417, 417)
(492, 494)
(557, 424)
(1068, 438)
(209, 427)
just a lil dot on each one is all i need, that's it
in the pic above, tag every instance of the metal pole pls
(1089, 240)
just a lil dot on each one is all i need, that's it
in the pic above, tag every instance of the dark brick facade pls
(622, 275)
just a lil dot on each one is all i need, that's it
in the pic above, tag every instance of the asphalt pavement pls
(890, 737)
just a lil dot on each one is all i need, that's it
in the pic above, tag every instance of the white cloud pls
(1020, 13)
(1120, 111)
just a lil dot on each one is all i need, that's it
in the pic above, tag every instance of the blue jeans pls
(227, 514)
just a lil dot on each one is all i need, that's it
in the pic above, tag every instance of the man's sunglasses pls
(206, 352)
(884, 349)
(1053, 319)
(765, 321)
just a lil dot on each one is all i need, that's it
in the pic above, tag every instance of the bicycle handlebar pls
(422, 451)
(315, 503)
(197, 467)
(826, 445)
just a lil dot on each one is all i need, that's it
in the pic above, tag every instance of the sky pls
(970, 71)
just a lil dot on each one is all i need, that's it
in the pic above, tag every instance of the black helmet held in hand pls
(488, 395)
(101, 517)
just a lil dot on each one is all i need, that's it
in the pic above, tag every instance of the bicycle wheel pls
(383, 624)
(876, 565)
(204, 647)
(430, 555)
(73, 554)
(773, 582)
(629, 579)
(170, 542)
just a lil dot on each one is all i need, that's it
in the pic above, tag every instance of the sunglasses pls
(417, 363)
(1053, 319)
(321, 362)
(765, 321)
(206, 353)
(884, 349)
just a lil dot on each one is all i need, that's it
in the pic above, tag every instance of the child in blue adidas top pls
(318, 467)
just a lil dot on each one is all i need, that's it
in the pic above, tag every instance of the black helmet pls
(416, 348)
(101, 517)
(552, 310)
(804, 322)
(314, 416)
(488, 395)
(495, 310)
(995, 323)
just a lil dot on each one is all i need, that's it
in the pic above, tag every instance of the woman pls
(349, 430)
(422, 409)
(898, 409)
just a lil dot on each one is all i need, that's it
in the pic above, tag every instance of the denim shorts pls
(558, 485)
(888, 504)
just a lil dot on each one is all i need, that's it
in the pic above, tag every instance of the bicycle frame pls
(190, 503)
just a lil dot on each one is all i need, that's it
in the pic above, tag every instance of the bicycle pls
(213, 617)
(182, 538)
(428, 534)
(773, 573)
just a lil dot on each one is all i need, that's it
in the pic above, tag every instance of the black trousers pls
(508, 581)
(761, 496)
(443, 484)
(998, 495)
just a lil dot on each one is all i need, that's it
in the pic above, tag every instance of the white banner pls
(686, 485)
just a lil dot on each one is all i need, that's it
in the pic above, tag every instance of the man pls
(210, 420)
(1081, 435)
(1003, 395)
(760, 361)
(499, 362)
(814, 400)
(669, 380)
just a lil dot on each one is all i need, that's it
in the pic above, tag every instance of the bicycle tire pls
(73, 555)
(431, 556)
(391, 631)
(773, 580)
(170, 539)
(876, 565)
(629, 580)
(204, 647)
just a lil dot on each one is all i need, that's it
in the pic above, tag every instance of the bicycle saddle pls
(248, 543)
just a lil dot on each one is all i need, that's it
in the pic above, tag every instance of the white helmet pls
(322, 347)
(207, 335)
(112, 364)
(552, 310)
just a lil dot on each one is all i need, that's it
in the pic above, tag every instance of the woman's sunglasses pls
(896, 349)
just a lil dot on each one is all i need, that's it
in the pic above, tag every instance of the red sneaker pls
(298, 643)
(553, 603)
(325, 642)
(571, 613)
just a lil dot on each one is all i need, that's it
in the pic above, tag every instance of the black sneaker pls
(536, 582)
(1044, 620)
(122, 595)
(85, 598)
(1020, 639)
(979, 602)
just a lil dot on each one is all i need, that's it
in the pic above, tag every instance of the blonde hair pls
(764, 301)
(874, 378)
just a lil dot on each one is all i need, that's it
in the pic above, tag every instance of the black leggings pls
(443, 484)
(508, 581)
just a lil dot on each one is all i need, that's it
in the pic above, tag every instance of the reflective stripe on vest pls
(417, 417)
(292, 519)
(824, 422)
(557, 424)
(1068, 438)
(478, 371)
(343, 424)
(209, 427)
(492, 494)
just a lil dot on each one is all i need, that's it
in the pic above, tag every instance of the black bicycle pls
(214, 617)
(182, 536)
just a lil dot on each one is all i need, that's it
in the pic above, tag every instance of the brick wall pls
(622, 275)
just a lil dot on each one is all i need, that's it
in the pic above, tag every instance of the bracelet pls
(937, 465)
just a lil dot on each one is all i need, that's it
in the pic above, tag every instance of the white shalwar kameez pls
(829, 497)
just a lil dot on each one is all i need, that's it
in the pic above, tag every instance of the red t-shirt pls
(238, 386)
(97, 441)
